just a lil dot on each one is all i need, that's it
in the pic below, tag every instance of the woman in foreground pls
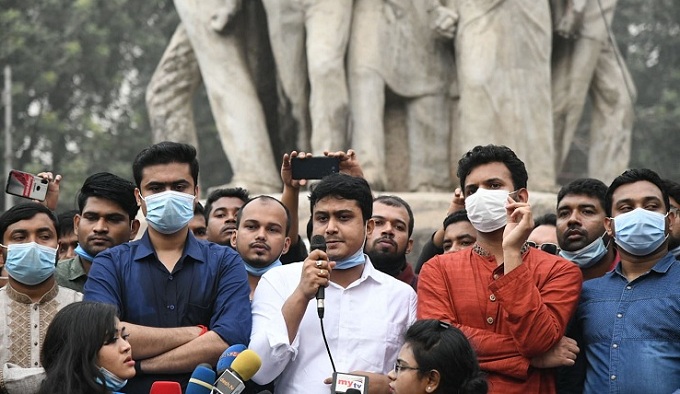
(436, 358)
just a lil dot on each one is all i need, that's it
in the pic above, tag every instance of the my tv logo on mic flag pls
(342, 382)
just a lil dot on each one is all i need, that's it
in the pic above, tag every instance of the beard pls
(389, 263)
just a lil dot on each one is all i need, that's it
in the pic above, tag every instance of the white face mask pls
(486, 209)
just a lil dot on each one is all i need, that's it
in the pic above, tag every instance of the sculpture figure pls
(206, 46)
(586, 61)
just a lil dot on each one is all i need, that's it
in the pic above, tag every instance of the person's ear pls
(76, 223)
(138, 197)
(433, 379)
(522, 195)
(134, 229)
(409, 246)
(234, 235)
(286, 245)
(609, 226)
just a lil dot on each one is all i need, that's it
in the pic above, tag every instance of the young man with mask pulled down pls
(31, 298)
(628, 318)
(183, 301)
(511, 300)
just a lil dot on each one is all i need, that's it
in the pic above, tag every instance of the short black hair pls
(455, 217)
(267, 198)
(165, 152)
(672, 189)
(632, 176)
(398, 202)
(549, 219)
(24, 211)
(345, 187)
(109, 187)
(65, 223)
(590, 187)
(199, 210)
(237, 192)
(480, 155)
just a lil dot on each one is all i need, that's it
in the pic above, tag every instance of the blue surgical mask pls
(352, 261)
(30, 263)
(587, 256)
(83, 254)
(111, 381)
(169, 211)
(255, 271)
(640, 232)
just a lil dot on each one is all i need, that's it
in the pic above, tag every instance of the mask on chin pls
(587, 256)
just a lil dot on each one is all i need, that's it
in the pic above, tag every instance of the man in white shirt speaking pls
(366, 311)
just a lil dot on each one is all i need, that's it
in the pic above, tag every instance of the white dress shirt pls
(364, 323)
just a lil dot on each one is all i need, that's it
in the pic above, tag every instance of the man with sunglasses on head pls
(511, 300)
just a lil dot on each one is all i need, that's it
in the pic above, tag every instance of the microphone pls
(201, 380)
(243, 368)
(161, 387)
(319, 243)
(228, 357)
(346, 383)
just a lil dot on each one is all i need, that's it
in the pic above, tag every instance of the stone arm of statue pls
(443, 20)
(572, 19)
(224, 15)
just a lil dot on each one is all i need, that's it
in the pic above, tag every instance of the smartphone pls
(314, 167)
(26, 185)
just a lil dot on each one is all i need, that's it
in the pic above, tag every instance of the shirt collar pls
(371, 272)
(192, 248)
(76, 269)
(662, 266)
(484, 253)
(14, 295)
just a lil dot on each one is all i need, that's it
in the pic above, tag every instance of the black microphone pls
(319, 243)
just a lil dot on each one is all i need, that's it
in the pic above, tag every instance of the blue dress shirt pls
(631, 331)
(208, 286)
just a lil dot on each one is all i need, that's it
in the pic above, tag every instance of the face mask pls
(30, 263)
(83, 254)
(588, 255)
(255, 271)
(169, 211)
(640, 232)
(486, 209)
(352, 261)
(111, 381)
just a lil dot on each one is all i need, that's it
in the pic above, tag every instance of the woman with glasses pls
(86, 351)
(436, 358)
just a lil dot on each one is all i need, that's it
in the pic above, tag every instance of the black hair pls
(491, 154)
(71, 345)
(672, 189)
(455, 217)
(237, 192)
(112, 188)
(265, 198)
(398, 202)
(24, 211)
(549, 219)
(345, 187)
(439, 346)
(590, 187)
(65, 223)
(199, 210)
(632, 176)
(165, 152)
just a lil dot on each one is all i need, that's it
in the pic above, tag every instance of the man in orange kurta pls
(513, 302)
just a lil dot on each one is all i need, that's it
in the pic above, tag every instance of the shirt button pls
(170, 277)
(619, 315)
(629, 287)
(35, 307)
(613, 377)
(496, 276)
(489, 320)
(492, 298)
(171, 307)
(615, 346)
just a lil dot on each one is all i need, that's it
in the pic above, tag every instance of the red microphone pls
(162, 387)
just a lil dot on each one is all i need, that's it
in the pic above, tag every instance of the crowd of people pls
(582, 300)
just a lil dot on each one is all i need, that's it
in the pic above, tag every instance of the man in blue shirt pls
(183, 301)
(629, 319)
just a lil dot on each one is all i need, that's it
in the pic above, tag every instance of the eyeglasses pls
(398, 368)
(546, 247)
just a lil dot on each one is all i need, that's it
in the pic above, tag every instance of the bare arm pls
(204, 349)
(152, 341)
(291, 192)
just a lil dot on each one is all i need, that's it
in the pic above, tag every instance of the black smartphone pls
(314, 167)
(26, 185)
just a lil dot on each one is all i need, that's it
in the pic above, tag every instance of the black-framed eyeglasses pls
(398, 368)
(547, 247)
